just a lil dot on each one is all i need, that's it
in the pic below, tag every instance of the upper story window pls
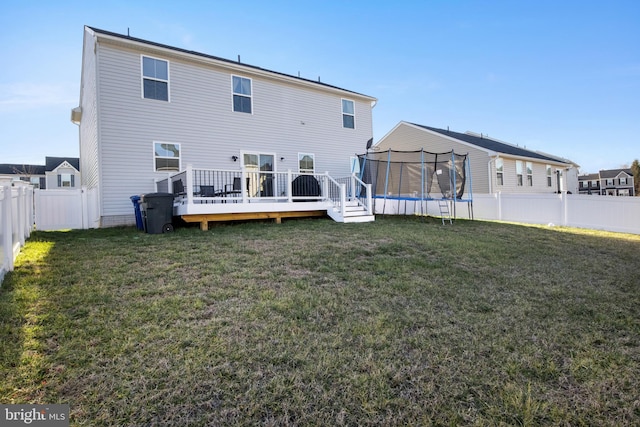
(348, 114)
(155, 78)
(623, 181)
(166, 156)
(529, 174)
(306, 162)
(66, 180)
(549, 176)
(499, 171)
(609, 182)
(241, 94)
(519, 172)
(594, 184)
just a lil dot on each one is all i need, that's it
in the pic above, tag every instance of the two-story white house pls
(496, 166)
(154, 117)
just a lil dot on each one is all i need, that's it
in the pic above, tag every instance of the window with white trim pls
(306, 162)
(66, 180)
(348, 114)
(499, 171)
(609, 182)
(166, 157)
(155, 78)
(530, 174)
(549, 180)
(519, 172)
(623, 181)
(242, 98)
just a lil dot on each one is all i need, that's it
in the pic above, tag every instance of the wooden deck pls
(204, 219)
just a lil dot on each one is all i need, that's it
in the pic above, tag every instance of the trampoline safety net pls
(414, 175)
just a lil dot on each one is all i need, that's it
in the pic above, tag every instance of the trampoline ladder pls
(445, 213)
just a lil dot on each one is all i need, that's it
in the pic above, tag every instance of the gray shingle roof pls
(612, 173)
(13, 168)
(53, 162)
(493, 145)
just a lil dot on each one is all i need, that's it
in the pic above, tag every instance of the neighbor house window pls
(166, 156)
(609, 182)
(549, 176)
(66, 180)
(529, 174)
(623, 181)
(519, 172)
(241, 94)
(594, 184)
(306, 163)
(155, 78)
(348, 114)
(499, 171)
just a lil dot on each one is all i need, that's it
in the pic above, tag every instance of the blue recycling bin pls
(136, 209)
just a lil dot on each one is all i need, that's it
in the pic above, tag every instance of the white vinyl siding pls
(288, 117)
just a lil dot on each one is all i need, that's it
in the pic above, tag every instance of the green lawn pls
(402, 322)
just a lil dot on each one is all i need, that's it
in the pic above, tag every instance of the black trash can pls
(138, 212)
(158, 209)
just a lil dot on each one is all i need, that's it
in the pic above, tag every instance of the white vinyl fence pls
(66, 209)
(16, 221)
(619, 214)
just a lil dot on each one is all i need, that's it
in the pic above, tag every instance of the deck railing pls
(197, 186)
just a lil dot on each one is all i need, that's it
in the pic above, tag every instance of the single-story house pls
(496, 166)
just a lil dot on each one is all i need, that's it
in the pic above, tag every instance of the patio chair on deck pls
(178, 188)
(208, 191)
(236, 187)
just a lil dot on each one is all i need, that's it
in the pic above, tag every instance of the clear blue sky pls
(561, 77)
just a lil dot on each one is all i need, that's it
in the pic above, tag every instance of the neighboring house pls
(34, 174)
(609, 182)
(58, 172)
(496, 166)
(62, 172)
(148, 111)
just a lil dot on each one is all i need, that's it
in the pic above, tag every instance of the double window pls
(348, 114)
(306, 163)
(241, 94)
(166, 157)
(155, 78)
(66, 180)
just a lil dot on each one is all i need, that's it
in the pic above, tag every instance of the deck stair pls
(445, 213)
(353, 212)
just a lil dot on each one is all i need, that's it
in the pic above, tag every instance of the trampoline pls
(418, 176)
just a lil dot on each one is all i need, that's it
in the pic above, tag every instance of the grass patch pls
(398, 322)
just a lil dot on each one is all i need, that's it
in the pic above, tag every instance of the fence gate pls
(63, 209)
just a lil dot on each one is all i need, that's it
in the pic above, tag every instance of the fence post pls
(6, 222)
(289, 186)
(499, 198)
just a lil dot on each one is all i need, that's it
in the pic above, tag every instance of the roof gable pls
(493, 145)
(615, 173)
(52, 163)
